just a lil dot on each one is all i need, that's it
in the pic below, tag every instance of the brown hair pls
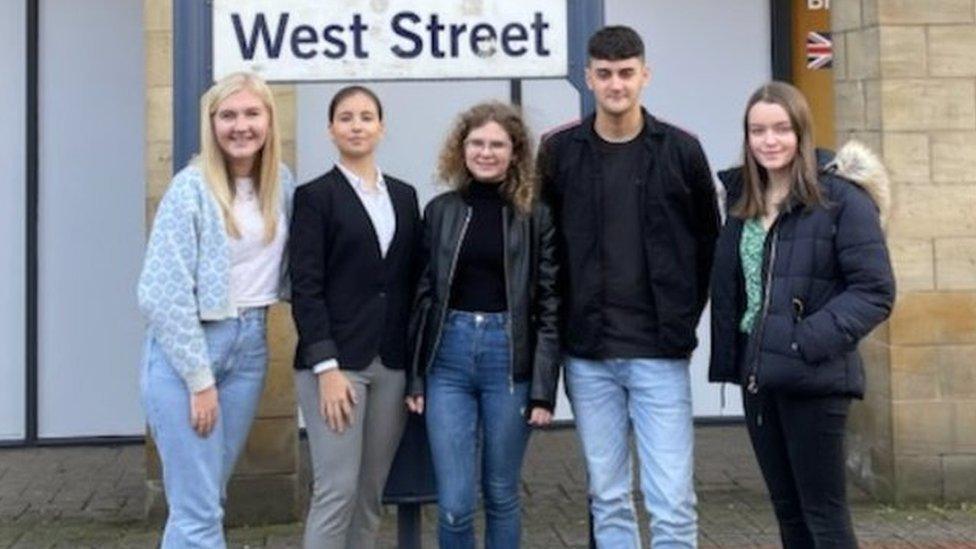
(350, 91)
(519, 184)
(804, 189)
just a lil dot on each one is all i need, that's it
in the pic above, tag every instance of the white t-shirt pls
(255, 271)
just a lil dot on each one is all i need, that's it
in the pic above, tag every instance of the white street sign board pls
(342, 40)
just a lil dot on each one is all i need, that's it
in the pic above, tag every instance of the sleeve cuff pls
(325, 366)
(198, 380)
(318, 352)
(541, 404)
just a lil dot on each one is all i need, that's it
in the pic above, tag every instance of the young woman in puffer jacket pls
(801, 275)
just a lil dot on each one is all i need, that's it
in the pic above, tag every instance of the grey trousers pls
(350, 469)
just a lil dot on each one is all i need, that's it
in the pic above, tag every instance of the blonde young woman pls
(486, 361)
(801, 275)
(213, 265)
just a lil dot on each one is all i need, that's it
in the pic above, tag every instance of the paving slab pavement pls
(94, 497)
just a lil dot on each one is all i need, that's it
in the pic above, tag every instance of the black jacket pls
(349, 302)
(827, 283)
(530, 277)
(680, 222)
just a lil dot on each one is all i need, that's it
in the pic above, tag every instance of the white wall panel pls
(13, 67)
(92, 203)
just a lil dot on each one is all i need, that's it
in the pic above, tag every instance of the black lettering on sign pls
(302, 35)
(435, 27)
(330, 34)
(400, 30)
(539, 26)
(248, 46)
(511, 34)
(357, 29)
(483, 40)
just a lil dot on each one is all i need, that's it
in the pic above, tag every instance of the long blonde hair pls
(803, 169)
(519, 184)
(211, 159)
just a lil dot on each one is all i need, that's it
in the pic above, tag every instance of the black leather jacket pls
(530, 279)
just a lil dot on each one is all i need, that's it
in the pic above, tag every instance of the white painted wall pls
(92, 226)
(13, 67)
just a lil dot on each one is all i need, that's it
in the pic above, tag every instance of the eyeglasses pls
(492, 146)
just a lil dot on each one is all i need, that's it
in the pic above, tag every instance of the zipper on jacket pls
(508, 317)
(450, 280)
(753, 380)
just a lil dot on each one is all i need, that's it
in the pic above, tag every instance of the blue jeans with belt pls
(196, 469)
(470, 389)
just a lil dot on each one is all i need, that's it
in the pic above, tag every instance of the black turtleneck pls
(479, 278)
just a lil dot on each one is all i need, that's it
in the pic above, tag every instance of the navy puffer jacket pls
(827, 284)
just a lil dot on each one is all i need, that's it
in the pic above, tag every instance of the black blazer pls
(350, 303)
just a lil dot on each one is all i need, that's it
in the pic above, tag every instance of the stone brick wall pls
(906, 84)
(266, 486)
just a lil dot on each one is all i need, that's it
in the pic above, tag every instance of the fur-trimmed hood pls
(858, 164)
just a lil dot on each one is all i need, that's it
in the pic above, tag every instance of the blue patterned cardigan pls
(186, 273)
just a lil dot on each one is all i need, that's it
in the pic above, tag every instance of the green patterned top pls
(751, 248)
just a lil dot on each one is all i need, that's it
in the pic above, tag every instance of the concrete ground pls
(94, 497)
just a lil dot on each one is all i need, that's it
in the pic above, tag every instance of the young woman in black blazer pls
(354, 237)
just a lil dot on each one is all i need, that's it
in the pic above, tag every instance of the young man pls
(636, 210)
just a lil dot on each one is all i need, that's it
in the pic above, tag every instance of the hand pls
(540, 417)
(203, 410)
(415, 403)
(337, 396)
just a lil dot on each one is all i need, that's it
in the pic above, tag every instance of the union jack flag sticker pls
(820, 50)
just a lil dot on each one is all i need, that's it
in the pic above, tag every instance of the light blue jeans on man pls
(653, 396)
(196, 469)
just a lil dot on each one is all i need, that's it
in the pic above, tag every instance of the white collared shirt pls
(379, 207)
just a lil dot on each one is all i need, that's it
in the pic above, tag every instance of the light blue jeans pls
(469, 392)
(654, 397)
(196, 469)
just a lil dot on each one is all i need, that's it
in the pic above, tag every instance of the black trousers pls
(799, 443)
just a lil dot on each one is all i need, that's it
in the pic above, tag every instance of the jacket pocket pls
(799, 308)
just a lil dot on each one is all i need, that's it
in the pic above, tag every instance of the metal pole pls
(408, 526)
(192, 74)
(32, 163)
(585, 18)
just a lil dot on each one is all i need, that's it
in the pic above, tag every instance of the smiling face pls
(617, 85)
(488, 152)
(240, 124)
(356, 127)
(772, 139)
